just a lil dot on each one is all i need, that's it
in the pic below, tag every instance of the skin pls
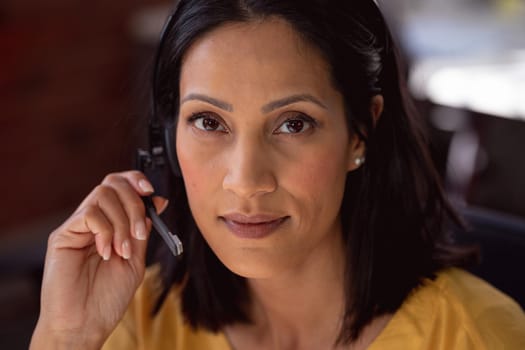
(95, 260)
(238, 156)
(94, 263)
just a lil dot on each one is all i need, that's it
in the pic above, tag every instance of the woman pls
(309, 209)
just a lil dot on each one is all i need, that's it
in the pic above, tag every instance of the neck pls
(302, 307)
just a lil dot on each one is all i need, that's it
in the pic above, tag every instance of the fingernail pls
(146, 186)
(126, 249)
(106, 254)
(140, 230)
(164, 206)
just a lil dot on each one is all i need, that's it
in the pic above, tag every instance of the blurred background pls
(74, 82)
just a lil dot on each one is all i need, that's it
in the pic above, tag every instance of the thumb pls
(160, 204)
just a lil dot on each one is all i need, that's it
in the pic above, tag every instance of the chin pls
(252, 273)
(253, 267)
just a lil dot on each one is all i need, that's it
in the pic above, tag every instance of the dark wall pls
(70, 78)
(73, 88)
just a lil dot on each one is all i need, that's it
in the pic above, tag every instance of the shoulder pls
(457, 310)
(167, 329)
(484, 312)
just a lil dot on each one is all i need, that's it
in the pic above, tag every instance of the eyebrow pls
(267, 108)
(213, 101)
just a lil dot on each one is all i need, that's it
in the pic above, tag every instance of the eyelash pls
(201, 115)
(312, 123)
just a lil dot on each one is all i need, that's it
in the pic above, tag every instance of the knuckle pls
(103, 190)
(57, 237)
(134, 176)
(137, 206)
(112, 178)
(89, 212)
(52, 238)
(121, 227)
(134, 173)
(94, 217)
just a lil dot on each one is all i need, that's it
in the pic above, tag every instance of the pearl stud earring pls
(359, 161)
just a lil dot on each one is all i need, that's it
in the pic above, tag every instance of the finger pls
(109, 201)
(103, 237)
(140, 247)
(132, 203)
(149, 224)
(160, 204)
(138, 181)
(82, 228)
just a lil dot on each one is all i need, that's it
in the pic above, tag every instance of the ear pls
(357, 152)
(377, 104)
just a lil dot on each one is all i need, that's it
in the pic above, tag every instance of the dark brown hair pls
(394, 213)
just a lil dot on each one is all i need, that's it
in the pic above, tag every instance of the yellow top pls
(455, 311)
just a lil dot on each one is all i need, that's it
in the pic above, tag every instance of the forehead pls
(261, 54)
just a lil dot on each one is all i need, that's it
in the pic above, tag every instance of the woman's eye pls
(295, 125)
(207, 123)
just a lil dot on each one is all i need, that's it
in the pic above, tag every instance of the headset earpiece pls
(161, 132)
(171, 153)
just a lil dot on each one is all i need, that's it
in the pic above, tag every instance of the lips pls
(254, 226)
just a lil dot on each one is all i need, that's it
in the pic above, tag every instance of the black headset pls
(161, 149)
(160, 155)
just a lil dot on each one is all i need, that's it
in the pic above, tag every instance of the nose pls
(250, 172)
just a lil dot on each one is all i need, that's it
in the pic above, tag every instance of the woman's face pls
(263, 147)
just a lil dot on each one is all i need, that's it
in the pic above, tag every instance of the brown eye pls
(210, 124)
(296, 125)
(207, 123)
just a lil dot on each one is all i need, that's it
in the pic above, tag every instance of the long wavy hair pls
(395, 216)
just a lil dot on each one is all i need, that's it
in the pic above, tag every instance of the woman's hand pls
(94, 264)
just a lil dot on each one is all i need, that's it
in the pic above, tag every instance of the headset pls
(160, 153)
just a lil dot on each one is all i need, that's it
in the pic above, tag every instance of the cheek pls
(319, 179)
(193, 178)
(195, 172)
